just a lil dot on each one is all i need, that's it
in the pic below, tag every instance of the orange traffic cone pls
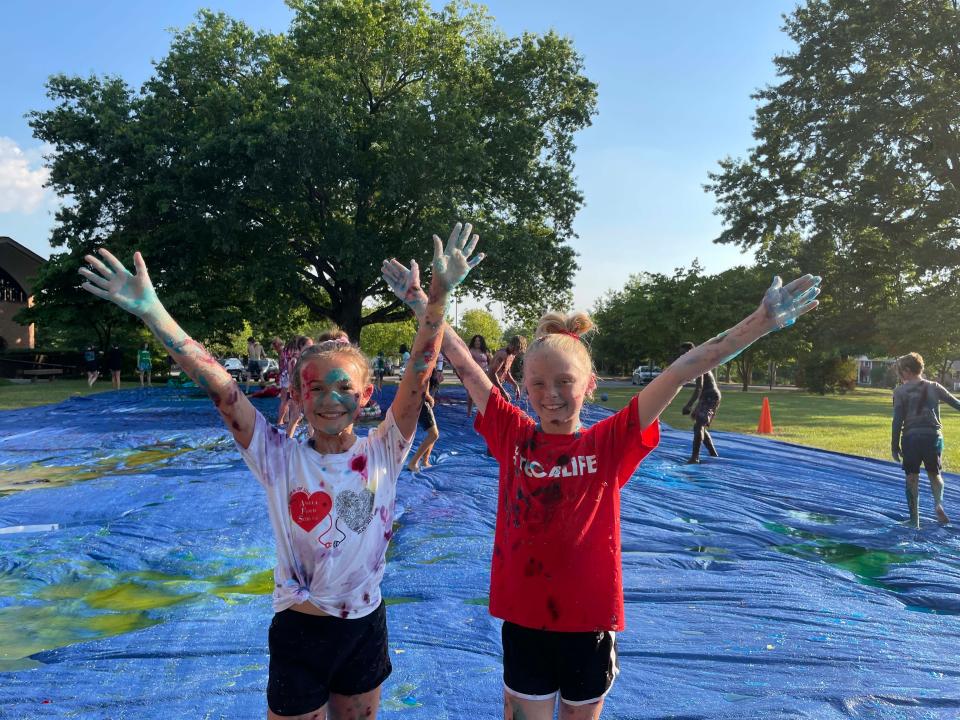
(766, 422)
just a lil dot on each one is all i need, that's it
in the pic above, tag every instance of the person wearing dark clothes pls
(90, 365)
(115, 362)
(702, 406)
(917, 433)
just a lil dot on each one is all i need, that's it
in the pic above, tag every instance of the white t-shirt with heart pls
(332, 515)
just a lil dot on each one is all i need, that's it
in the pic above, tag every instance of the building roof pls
(4, 240)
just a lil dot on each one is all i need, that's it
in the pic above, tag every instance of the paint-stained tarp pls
(776, 582)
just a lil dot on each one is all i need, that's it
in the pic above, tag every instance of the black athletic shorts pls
(312, 656)
(537, 664)
(427, 420)
(921, 449)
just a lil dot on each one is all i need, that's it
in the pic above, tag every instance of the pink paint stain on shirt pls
(359, 465)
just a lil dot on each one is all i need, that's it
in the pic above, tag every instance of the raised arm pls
(110, 280)
(450, 268)
(403, 281)
(781, 307)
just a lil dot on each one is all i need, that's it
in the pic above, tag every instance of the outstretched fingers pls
(99, 266)
(112, 260)
(93, 290)
(95, 278)
(471, 245)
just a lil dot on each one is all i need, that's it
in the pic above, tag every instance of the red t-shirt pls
(556, 553)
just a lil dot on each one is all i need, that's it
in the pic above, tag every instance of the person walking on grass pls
(90, 364)
(145, 364)
(918, 433)
(115, 363)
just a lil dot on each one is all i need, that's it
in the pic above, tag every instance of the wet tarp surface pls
(774, 582)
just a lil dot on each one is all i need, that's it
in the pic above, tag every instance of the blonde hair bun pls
(577, 323)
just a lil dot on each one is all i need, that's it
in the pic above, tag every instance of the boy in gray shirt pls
(917, 433)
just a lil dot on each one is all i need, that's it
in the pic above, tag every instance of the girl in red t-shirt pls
(556, 571)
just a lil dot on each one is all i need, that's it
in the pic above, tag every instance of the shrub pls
(827, 374)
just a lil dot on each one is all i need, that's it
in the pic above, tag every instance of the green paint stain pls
(401, 600)
(439, 558)
(485, 601)
(90, 601)
(866, 564)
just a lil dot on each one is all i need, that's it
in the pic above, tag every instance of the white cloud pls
(22, 176)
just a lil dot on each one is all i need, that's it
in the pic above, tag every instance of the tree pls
(387, 337)
(858, 157)
(480, 322)
(262, 171)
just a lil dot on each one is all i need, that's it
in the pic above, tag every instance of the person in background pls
(115, 363)
(703, 406)
(90, 365)
(918, 434)
(145, 364)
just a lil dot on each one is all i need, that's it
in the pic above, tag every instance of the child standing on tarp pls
(556, 571)
(330, 500)
(918, 433)
(702, 407)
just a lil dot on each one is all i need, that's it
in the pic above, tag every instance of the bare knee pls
(580, 712)
(318, 714)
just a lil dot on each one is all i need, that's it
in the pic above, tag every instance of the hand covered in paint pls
(451, 265)
(783, 304)
(112, 281)
(405, 284)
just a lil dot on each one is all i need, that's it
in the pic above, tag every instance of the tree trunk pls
(746, 369)
(773, 373)
(350, 314)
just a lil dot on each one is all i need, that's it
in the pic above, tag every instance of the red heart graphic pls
(308, 511)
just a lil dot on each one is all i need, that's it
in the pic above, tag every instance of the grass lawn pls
(858, 423)
(43, 392)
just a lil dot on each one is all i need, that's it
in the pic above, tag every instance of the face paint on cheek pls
(350, 402)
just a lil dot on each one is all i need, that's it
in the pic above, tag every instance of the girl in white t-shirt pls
(330, 500)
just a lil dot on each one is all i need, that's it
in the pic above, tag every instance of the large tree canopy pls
(858, 155)
(262, 171)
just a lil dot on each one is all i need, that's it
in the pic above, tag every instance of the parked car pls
(235, 367)
(270, 370)
(644, 374)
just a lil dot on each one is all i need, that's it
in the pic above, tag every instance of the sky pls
(674, 86)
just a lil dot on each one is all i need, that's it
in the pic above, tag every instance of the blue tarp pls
(775, 582)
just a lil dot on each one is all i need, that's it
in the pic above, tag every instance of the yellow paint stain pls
(126, 597)
(260, 583)
(122, 462)
(26, 630)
